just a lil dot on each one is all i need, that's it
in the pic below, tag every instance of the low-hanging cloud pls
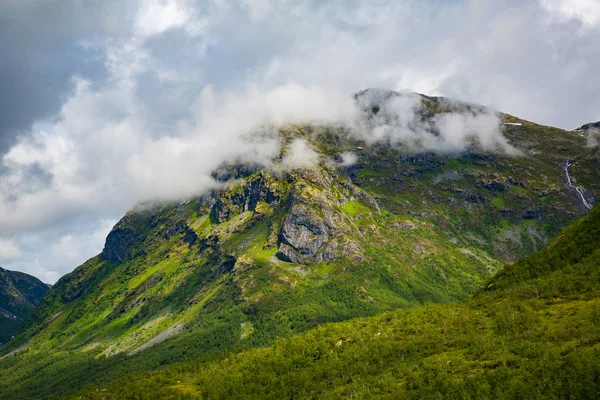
(399, 120)
(348, 158)
(299, 154)
(593, 138)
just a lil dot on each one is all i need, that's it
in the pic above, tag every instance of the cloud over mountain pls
(107, 103)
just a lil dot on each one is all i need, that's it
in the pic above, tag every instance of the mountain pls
(531, 333)
(422, 201)
(19, 293)
(589, 127)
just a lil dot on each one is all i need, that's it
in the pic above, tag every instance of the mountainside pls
(532, 333)
(19, 293)
(589, 126)
(370, 224)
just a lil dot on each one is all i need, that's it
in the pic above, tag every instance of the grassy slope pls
(533, 333)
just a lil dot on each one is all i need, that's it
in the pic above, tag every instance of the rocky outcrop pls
(180, 228)
(125, 236)
(120, 241)
(227, 172)
(314, 229)
(244, 198)
(302, 235)
(132, 231)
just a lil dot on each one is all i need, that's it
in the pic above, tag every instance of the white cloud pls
(8, 251)
(586, 11)
(348, 158)
(460, 130)
(299, 154)
(157, 16)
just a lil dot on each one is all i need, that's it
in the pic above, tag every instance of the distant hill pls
(19, 293)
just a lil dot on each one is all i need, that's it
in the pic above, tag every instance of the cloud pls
(348, 158)
(50, 253)
(458, 131)
(158, 16)
(592, 138)
(398, 120)
(8, 251)
(46, 43)
(586, 12)
(106, 103)
(299, 154)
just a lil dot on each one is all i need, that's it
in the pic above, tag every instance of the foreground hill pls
(369, 224)
(19, 293)
(534, 332)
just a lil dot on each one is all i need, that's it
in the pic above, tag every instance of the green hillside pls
(533, 333)
(276, 251)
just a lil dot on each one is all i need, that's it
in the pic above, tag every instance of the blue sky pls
(106, 103)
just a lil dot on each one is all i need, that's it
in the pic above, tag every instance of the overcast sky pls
(104, 103)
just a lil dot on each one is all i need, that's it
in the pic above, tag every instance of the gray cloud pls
(44, 43)
(103, 103)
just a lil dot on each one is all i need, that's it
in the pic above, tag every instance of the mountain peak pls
(592, 126)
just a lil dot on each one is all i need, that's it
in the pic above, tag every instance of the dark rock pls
(121, 241)
(227, 265)
(589, 127)
(229, 204)
(301, 236)
(179, 228)
(474, 197)
(495, 186)
(227, 172)
(211, 241)
(532, 214)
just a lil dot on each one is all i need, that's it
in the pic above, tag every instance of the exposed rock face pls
(121, 240)
(302, 235)
(189, 236)
(130, 233)
(245, 198)
(313, 229)
(240, 170)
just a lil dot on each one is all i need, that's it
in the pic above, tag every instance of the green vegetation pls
(498, 202)
(533, 333)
